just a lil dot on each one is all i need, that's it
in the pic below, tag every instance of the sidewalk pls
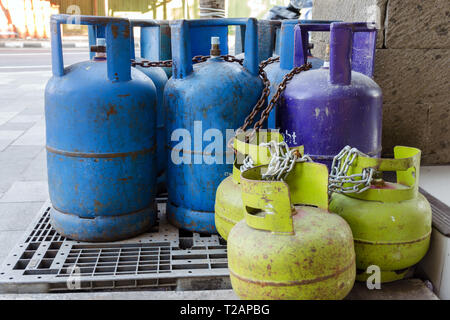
(68, 42)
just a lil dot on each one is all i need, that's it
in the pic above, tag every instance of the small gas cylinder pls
(203, 101)
(229, 209)
(277, 70)
(330, 107)
(391, 222)
(101, 132)
(159, 78)
(289, 246)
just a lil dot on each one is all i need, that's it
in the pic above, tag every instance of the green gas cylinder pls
(228, 206)
(289, 246)
(391, 222)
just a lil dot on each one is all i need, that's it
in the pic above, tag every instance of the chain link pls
(282, 161)
(281, 87)
(339, 169)
(151, 64)
(265, 93)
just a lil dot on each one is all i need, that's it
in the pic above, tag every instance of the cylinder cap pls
(101, 42)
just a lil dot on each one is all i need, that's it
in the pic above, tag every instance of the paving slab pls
(4, 144)
(6, 116)
(17, 216)
(26, 118)
(8, 239)
(35, 136)
(26, 191)
(129, 295)
(13, 161)
(10, 134)
(37, 170)
(23, 126)
(409, 289)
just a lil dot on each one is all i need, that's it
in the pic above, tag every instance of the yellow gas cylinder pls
(289, 246)
(391, 222)
(228, 206)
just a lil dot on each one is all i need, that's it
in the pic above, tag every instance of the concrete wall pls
(412, 67)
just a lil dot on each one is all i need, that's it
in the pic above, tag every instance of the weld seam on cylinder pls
(102, 215)
(226, 219)
(100, 155)
(393, 243)
(192, 210)
(292, 283)
(198, 152)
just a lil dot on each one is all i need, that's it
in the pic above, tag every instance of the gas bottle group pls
(303, 213)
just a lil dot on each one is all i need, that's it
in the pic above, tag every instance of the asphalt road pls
(36, 59)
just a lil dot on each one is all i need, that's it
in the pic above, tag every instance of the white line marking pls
(25, 67)
(41, 54)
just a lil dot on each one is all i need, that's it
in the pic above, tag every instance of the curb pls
(41, 44)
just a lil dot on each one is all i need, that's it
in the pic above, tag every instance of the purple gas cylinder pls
(338, 104)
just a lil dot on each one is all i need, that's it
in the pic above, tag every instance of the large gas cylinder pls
(331, 107)
(101, 132)
(289, 246)
(229, 209)
(277, 70)
(391, 222)
(159, 78)
(149, 46)
(266, 39)
(202, 102)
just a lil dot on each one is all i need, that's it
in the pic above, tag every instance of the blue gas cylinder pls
(266, 39)
(203, 101)
(101, 132)
(159, 78)
(277, 70)
(339, 104)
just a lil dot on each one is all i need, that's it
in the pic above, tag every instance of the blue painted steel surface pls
(159, 78)
(101, 133)
(266, 39)
(150, 38)
(219, 95)
(277, 70)
(329, 108)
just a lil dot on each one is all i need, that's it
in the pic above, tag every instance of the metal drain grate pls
(163, 258)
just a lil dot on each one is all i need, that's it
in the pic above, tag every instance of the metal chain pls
(168, 63)
(281, 87)
(151, 64)
(247, 164)
(281, 162)
(265, 93)
(339, 169)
